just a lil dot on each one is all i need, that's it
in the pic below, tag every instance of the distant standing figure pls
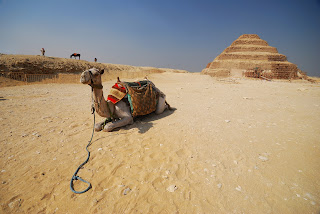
(75, 55)
(95, 60)
(42, 51)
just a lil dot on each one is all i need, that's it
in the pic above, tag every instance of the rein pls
(75, 177)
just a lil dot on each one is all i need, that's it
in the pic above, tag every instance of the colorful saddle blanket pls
(142, 96)
(117, 93)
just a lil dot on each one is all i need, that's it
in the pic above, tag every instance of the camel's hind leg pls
(161, 106)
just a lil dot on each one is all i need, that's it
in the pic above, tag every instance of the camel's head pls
(92, 77)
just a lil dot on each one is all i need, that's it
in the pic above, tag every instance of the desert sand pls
(231, 146)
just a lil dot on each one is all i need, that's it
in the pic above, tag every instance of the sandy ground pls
(231, 146)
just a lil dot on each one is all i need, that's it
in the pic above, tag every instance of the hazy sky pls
(184, 34)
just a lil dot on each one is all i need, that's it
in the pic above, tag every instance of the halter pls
(97, 86)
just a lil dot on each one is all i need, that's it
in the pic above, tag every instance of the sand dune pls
(232, 146)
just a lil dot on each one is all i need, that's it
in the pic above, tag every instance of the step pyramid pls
(249, 53)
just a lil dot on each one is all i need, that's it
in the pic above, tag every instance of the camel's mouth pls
(84, 78)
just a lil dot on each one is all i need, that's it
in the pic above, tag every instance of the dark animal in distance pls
(75, 55)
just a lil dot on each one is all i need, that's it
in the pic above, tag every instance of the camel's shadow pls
(144, 123)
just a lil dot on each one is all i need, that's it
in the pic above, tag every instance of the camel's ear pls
(102, 71)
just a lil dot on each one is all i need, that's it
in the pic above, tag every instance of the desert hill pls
(35, 68)
(35, 64)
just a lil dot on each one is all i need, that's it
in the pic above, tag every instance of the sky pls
(181, 34)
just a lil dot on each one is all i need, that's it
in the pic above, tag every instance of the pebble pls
(36, 134)
(11, 205)
(172, 188)
(219, 185)
(16, 203)
(238, 188)
(247, 98)
(235, 162)
(309, 195)
(126, 191)
(99, 149)
(3, 170)
(263, 158)
(227, 121)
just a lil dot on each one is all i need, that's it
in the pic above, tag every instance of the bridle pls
(98, 86)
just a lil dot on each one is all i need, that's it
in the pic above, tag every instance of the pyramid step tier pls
(249, 36)
(251, 49)
(251, 64)
(241, 42)
(252, 56)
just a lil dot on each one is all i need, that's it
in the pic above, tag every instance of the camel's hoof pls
(97, 128)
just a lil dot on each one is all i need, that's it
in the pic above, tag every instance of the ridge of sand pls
(63, 70)
(36, 64)
(232, 146)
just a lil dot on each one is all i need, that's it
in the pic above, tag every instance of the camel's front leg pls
(122, 111)
(118, 123)
(99, 126)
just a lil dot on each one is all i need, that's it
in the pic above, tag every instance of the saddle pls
(141, 96)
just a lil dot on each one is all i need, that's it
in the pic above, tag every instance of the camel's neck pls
(101, 105)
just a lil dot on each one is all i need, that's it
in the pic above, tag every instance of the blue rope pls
(75, 177)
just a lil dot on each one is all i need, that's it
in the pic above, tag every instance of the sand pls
(231, 146)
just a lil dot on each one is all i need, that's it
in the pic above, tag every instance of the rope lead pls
(75, 177)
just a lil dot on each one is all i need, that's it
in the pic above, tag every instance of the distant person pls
(95, 60)
(43, 51)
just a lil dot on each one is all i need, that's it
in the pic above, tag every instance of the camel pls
(121, 110)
